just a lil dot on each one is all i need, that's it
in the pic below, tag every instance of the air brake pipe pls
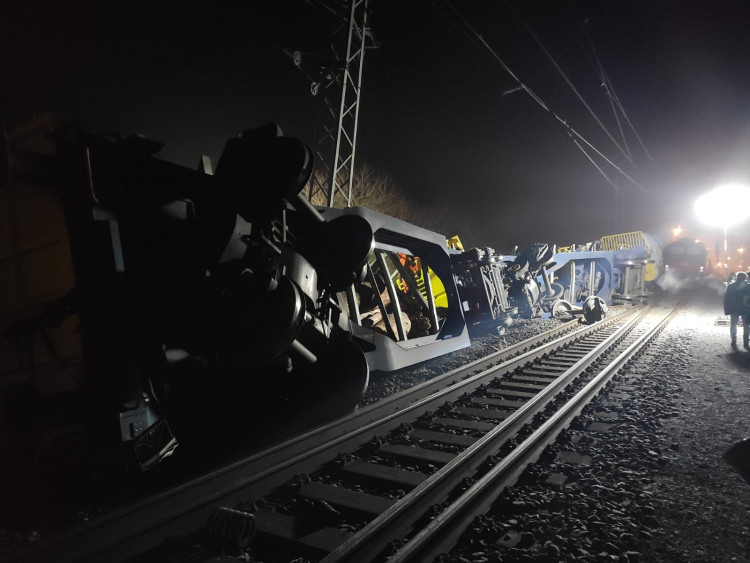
(306, 355)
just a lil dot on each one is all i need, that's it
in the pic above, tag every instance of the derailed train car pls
(542, 280)
(496, 288)
(199, 298)
(407, 308)
(616, 269)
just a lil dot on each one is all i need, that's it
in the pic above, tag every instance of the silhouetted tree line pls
(378, 191)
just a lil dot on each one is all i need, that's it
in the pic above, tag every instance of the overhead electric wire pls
(587, 155)
(610, 97)
(317, 4)
(476, 37)
(599, 70)
(257, 34)
(625, 115)
(287, 52)
(611, 92)
(597, 151)
(567, 80)
(245, 26)
(342, 21)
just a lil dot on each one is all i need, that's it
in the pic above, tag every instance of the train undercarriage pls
(199, 298)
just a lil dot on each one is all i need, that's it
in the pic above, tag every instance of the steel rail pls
(437, 537)
(403, 515)
(129, 531)
(527, 348)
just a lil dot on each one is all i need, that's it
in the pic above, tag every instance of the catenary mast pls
(336, 147)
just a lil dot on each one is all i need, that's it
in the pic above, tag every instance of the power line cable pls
(599, 70)
(627, 118)
(587, 155)
(567, 80)
(611, 92)
(616, 114)
(318, 4)
(571, 132)
(597, 151)
(244, 26)
(294, 55)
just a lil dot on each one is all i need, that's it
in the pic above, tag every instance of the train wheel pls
(594, 309)
(342, 378)
(561, 308)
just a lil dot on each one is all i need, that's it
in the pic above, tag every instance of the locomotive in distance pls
(686, 265)
(686, 258)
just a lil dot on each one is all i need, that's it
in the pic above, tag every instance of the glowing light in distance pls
(676, 231)
(724, 206)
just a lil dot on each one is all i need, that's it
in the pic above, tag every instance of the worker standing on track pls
(737, 306)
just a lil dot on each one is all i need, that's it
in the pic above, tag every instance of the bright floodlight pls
(724, 206)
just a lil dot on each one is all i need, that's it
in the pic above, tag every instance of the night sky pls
(438, 114)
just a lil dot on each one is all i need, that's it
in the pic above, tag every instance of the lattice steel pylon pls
(335, 176)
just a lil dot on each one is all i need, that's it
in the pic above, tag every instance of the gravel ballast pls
(704, 505)
(385, 384)
(653, 485)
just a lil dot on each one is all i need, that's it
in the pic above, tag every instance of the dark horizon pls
(438, 114)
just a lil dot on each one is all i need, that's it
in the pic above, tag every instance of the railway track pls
(444, 531)
(393, 478)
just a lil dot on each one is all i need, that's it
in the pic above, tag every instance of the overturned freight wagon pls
(407, 307)
(496, 288)
(200, 300)
(616, 268)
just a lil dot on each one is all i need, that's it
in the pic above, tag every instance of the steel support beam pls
(336, 175)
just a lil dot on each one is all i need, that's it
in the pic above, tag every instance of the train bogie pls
(203, 298)
(200, 295)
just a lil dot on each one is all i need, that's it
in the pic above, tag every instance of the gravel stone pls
(383, 385)
(657, 489)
